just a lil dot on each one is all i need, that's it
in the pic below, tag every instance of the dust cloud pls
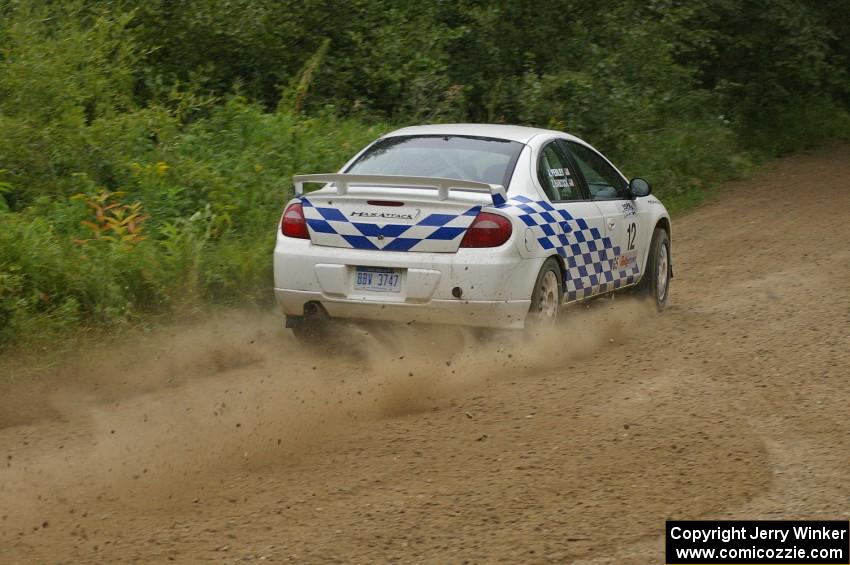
(152, 420)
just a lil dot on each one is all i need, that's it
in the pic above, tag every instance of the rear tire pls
(547, 295)
(655, 283)
(314, 328)
(309, 332)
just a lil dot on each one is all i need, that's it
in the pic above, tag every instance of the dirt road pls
(225, 442)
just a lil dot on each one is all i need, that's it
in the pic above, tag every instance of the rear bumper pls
(494, 285)
(492, 314)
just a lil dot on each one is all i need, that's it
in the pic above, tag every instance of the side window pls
(553, 171)
(603, 181)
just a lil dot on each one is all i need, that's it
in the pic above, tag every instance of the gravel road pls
(224, 441)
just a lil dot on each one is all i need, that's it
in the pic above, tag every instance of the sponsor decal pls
(624, 261)
(384, 215)
(561, 178)
(629, 209)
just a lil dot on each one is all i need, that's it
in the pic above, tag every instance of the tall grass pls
(142, 176)
(203, 204)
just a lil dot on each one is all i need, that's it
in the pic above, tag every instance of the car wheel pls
(314, 328)
(547, 295)
(655, 283)
(308, 331)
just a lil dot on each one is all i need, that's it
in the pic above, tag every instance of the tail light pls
(384, 203)
(487, 230)
(293, 224)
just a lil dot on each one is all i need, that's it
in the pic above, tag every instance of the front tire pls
(547, 295)
(655, 283)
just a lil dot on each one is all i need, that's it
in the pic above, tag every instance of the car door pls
(577, 230)
(609, 191)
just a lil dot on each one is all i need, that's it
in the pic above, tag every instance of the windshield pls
(480, 159)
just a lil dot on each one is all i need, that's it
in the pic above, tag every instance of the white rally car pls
(473, 224)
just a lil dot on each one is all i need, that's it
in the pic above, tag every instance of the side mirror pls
(640, 187)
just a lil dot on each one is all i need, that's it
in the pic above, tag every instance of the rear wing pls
(343, 180)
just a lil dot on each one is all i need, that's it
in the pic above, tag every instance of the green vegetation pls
(146, 148)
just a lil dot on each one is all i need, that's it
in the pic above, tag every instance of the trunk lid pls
(393, 213)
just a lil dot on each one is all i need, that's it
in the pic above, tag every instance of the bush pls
(192, 220)
(147, 148)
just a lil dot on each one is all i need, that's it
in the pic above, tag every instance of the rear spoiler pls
(344, 180)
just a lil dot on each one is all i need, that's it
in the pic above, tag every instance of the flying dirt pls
(228, 441)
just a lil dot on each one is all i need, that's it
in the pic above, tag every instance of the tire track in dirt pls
(434, 446)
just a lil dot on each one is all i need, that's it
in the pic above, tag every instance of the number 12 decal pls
(632, 230)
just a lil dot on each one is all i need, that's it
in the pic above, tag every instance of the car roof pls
(521, 134)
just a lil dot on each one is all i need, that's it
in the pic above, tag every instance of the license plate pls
(377, 279)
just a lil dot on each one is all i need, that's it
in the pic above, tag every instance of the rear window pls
(480, 159)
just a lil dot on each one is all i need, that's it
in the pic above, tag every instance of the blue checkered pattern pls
(329, 226)
(593, 264)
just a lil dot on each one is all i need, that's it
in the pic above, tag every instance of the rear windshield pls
(480, 159)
